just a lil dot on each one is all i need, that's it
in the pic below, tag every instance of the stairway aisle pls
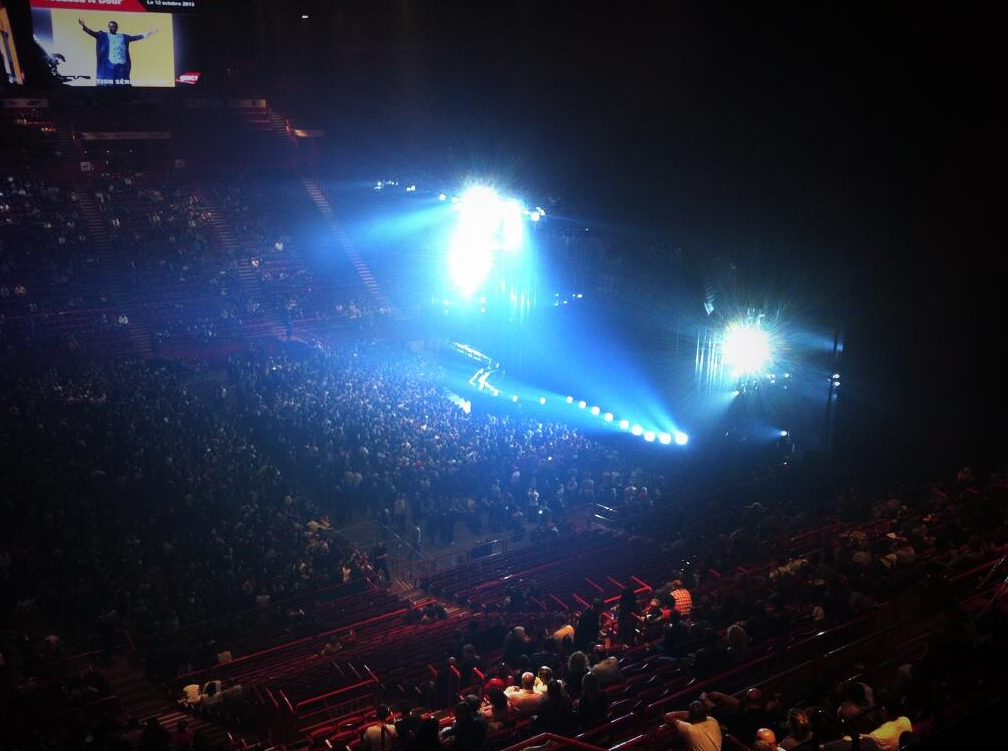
(251, 283)
(142, 700)
(120, 287)
(320, 200)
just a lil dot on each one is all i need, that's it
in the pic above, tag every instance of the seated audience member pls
(232, 690)
(426, 737)
(211, 695)
(577, 668)
(591, 709)
(499, 680)
(606, 668)
(766, 740)
(556, 712)
(543, 677)
(408, 723)
(743, 717)
(524, 699)
(497, 712)
(468, 732)
(799, 729)
(676, 633)
(516, 645)
(380, 735)
(738, 643)
(548, 657)
(887, 735)
(711, 658)
(470, 663)
(191, 694)
(698, 731)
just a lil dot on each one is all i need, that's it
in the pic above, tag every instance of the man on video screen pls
(112, 51)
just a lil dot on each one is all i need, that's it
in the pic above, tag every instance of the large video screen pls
(8, 54)
(111, 43)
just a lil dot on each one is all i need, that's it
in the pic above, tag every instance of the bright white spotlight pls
(784, 434)
(486, 224)
(442, 197)
(514, 398)
(649, 436)
(570, 399)
(637, 430)
(542, 399)
(681, 438)
(607, 417)
(746, 349)
(736, 392)
(595, 410)
(664, 438)
(624, 424)
(534, 217)
(582, 404)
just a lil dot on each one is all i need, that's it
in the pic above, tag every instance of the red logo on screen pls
(189, 78)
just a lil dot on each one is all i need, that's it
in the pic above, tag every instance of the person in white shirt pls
(699, 732)
(191, 694)
(525, 700)
(211, 695)
(381, 736)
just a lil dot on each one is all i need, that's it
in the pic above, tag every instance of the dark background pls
(854, 148)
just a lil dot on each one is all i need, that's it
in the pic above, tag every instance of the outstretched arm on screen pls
(86, 29)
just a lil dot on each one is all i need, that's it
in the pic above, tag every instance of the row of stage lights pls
(677, 437)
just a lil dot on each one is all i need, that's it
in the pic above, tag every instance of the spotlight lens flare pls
(486, 224)
(582, 404)
(681, 438)
(746, 349)
(649, 436)
(637, 430)
(624, 424)
(595, 410)
(542, 399)
(514, 398)
(664, 438)
(570, 399)
(607, 417)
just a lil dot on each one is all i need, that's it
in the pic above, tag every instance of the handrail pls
(336, 692)
(272, 698)
(637, 740)
(544, 738)
(643, 584)
(302, 640)
(286, 701)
